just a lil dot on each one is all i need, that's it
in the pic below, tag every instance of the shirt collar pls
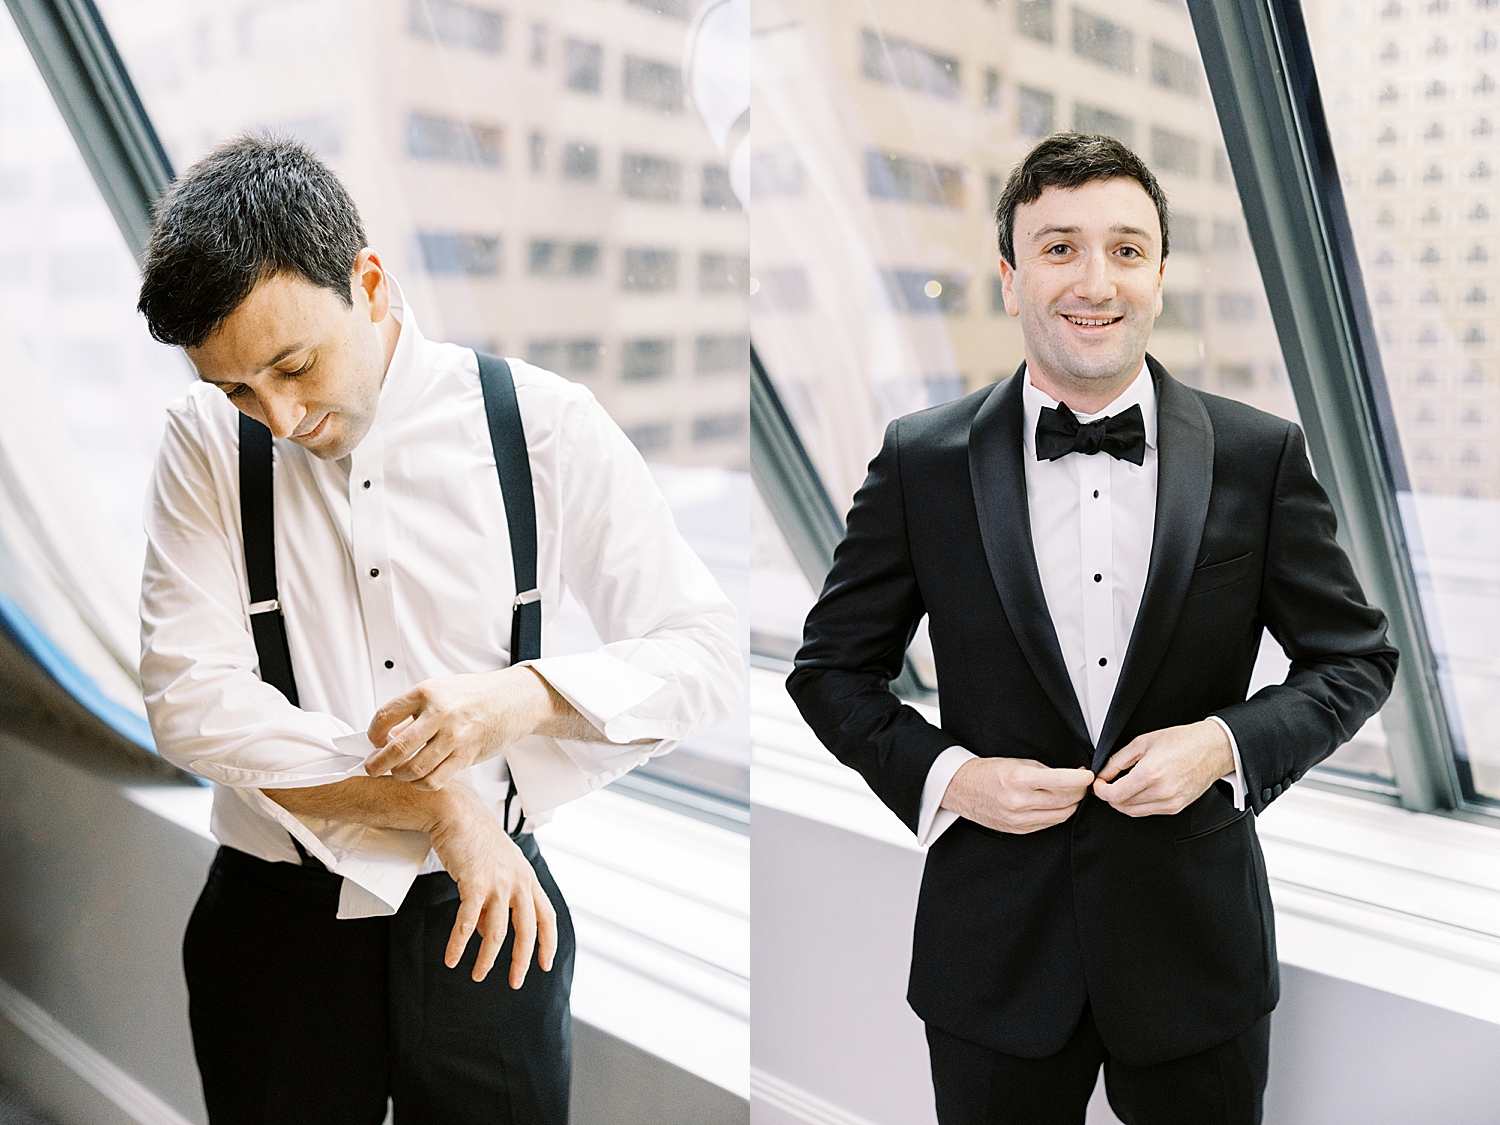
(1141, 392)
(400, 383)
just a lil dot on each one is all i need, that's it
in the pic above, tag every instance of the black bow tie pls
(1122, 436)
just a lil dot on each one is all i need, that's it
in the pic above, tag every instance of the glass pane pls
(1412, 94)
(553, 182)
(884, 133)
(85, 389)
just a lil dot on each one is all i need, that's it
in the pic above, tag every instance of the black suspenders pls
(258, 524)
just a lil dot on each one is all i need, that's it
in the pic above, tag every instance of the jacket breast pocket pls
(1215, 576)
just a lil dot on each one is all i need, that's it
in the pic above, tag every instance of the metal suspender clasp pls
(271, 606)
(526, 599)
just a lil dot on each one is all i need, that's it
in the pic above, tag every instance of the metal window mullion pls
(1266, 98)
(77, 59)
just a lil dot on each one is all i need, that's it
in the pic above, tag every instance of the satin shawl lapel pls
(1185, 478)
(999, 480)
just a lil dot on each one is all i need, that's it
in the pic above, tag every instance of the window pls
(654, 85)
(580, 161)
(925, 292)
(1036, 112)
(650, 270)
(672, 9)
(720, 355)
(456, 255)
(429, 137)
(991, 88)
(647, 359)
(774, 173)
(1180, 312)
(1103, 41)
(718, 192)
(564, 259)
(1173, 152)
(717, 427)
(454, 24)
(654, 178)
(913, 180)
(575, 357)
(1034, 19)
(1173, 70)
(723, 273)
(899, 62)
(1092, 119)
(583, 66)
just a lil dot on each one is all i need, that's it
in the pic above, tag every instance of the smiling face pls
(296, 358)
(1086, 286)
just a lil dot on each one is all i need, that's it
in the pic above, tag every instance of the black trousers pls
(974, 1085)
(298, 1017)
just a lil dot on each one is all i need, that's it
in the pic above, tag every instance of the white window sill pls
(1365, 892)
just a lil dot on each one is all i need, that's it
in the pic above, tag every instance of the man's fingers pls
(494, 927)
(402, 746)
(463, 927)
(546, 928)
(1122, 760)
(524, 916)
(391, 714)
(442, 774)
(437, 751)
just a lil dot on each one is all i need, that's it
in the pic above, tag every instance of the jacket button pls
(1276, 789)
(1266, 794)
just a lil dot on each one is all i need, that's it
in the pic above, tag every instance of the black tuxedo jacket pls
(1162, 923)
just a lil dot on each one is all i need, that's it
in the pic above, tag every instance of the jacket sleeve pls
(855, 641)
(1342, 665)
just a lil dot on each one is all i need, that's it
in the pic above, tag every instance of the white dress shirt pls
(393, 567)
(1092, 522)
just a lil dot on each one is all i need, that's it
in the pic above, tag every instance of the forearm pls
(381, 802)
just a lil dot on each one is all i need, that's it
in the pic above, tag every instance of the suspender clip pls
(272, 606)
(526, 599)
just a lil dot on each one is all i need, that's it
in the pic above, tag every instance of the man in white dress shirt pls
(1098, 549)
(332, 960)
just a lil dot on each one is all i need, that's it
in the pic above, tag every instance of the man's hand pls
(1169, 769)
(454, 722)
(1015, 794)
(496, 885)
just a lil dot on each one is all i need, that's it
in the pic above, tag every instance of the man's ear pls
(1008, 288)
(368, 281)
(1161, 275)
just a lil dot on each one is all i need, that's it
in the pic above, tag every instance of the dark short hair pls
(1070, 160)
(255, 207)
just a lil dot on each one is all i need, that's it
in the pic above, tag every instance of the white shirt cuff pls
(602, 688)
(1237, 778)
(932, 819)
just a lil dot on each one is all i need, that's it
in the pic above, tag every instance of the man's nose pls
(282, 416)
(1093, 282)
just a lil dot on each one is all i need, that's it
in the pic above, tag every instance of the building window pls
(672, 9)
(645, 360)
(1092, 119)
(455, 24)
(1034, 19)
(649, 270)
(1236, 308)
(1173, 152)
(913, 180)
(429, 137)
(580, 162)
(723, 273)
(564, 259)
(1173, 70)
(721, 355)
(1104, 42)
(1181, 312)
(583, 66)
(538, 44)
(653, 84)
(997, 295)
(653, 178)
(925, 293)
(1185, 234)
(1226, 237)
(991, 88)
(777, 172)
(1036, 111)
(452, 255)
(720, 427)
(576, 356)
(718, 192)
(650, 437)
(785, 289)
(900, 62)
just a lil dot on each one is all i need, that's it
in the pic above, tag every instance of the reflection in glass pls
(84, 389)
(884, 134)
(1412, 96)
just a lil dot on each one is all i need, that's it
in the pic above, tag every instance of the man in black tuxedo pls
(1097, 548)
